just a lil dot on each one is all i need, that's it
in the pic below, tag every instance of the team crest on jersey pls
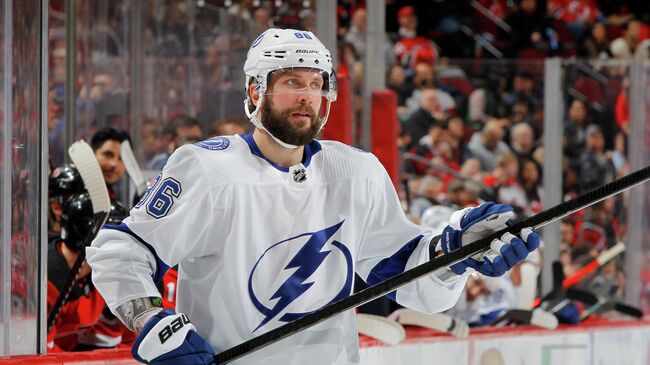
(214, 144)
(299, 175)
(299, 275)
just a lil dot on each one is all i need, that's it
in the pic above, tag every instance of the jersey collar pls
(311, 149)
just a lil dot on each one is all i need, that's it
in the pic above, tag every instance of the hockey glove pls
(470, 224)
(170, 339)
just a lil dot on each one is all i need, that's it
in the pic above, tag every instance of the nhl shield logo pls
(299, 175)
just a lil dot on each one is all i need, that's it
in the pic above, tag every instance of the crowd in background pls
(470, 130)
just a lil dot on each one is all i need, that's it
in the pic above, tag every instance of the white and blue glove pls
(170, 339)
(470, 224)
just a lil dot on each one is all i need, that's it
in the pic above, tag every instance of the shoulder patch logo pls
(214, 144)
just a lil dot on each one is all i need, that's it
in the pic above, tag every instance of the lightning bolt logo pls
(305, 262)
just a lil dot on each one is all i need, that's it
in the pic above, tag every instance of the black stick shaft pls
(65, 292)
(377, 290)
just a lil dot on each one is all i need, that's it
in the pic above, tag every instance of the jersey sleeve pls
(169, 224)
(392, 244)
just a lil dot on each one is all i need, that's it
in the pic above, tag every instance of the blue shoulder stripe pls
(161, 266)
(393, 265)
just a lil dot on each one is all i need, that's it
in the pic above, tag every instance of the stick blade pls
(132, 168)
(438, 321)
(381, 328)
(86, 163)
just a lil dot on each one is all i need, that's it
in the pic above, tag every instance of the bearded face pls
(296, 125)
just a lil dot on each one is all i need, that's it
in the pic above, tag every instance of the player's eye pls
(317, 85)
(292, 82)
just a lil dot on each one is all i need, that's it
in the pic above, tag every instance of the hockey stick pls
(588, 269)
(558, 212)
(380, 328)
(440, 322)
(600, 304)
(593, 265)
(84, 159)
(132, 168)
(534, 317)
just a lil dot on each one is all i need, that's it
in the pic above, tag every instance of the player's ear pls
(255, 95)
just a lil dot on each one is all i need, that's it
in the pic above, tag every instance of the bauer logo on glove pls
(178, 323)
(169, 338)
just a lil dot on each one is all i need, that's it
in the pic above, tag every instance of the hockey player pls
(106, 145)
(80, 317)
(271, 226)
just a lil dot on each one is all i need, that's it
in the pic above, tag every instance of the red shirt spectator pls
(411, 49)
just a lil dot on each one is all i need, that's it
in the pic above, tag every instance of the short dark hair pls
(108, 134)
(217, 127)
(179, 121)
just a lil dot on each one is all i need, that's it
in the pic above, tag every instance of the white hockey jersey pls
(259, 245)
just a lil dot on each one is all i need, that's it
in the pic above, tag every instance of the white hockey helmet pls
(285, 49)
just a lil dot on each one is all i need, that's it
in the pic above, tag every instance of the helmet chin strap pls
(258, 124)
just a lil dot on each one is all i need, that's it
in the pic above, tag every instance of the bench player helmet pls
(278, 50)
(77, 219)
(64, 182)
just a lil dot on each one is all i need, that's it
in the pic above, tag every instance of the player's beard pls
(278, 124)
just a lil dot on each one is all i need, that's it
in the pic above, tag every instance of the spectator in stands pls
(530, 175)
(523, 89)
(456, 138)
(396, 81)
(522, 140)
(288, 14)
(262, 20)
(429, 113)
(488, 144)
(504, 181)
(471, 168)
(521, 112)
(575, 14)
(602, 216)
(428, 193)
(596, 167)
(622, 108)
(619, 155)
(411, 49)
(106, 144)
(446, 18)
(228, 127)
(149, 145)
(356, 36)
(460, 194)
(575, 129)
(567, 233)
(180, 130)
(595, 45)
(529, 25)
(624, 47)
(423, 78)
